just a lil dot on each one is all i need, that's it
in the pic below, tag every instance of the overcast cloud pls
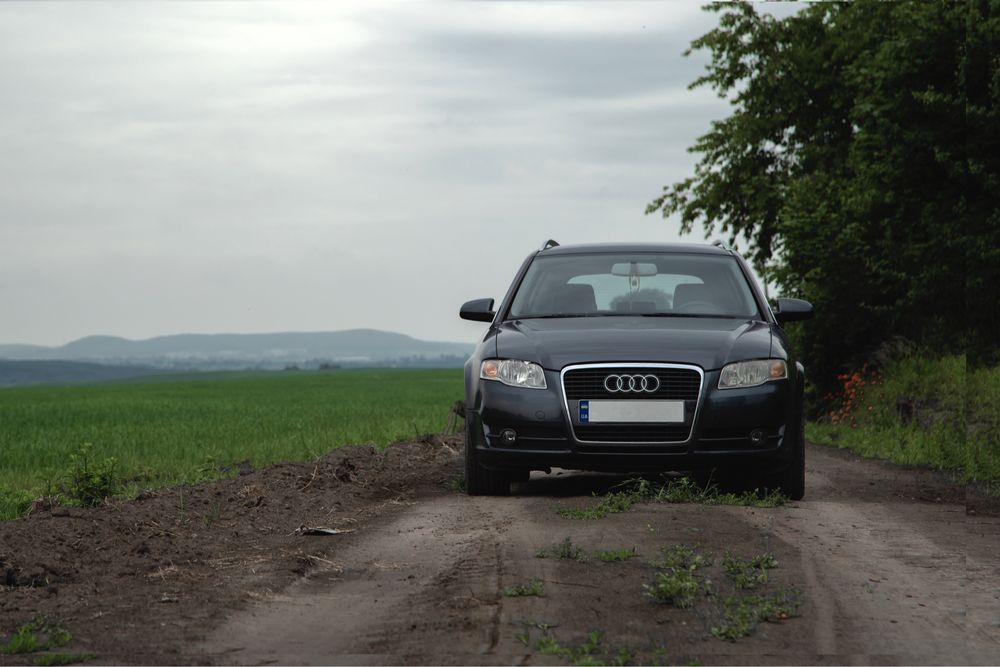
(215, 167)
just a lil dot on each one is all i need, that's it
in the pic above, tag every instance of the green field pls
(184, 429)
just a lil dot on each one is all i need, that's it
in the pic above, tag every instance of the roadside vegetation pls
(918, 410)
(680, 490)
(37, 638)
(81, 443)
(892, 234)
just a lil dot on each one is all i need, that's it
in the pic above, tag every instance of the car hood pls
(707, 342)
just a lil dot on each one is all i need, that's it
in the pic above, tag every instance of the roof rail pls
(719, 243)
(549, 244)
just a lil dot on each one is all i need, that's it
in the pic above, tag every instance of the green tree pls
(860, 162)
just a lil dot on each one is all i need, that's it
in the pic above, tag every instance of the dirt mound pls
(185, 556)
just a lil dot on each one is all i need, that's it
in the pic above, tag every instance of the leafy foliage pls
(90, 482)
(862, 163)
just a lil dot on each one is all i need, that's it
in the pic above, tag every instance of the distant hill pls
(13, 373)
(218, 351)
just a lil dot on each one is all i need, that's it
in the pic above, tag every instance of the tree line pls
(861, 164)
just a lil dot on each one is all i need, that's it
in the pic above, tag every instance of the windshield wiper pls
(567, 315)
(702, 315)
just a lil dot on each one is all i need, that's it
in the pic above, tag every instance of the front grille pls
(676, 384)
(632, 432)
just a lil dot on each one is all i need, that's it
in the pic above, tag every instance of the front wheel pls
(480, 481)
(791, 479)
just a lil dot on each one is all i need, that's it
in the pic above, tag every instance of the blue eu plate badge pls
(584, 412)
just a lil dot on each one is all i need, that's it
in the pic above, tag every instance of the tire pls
(480, 481)
(791, 479)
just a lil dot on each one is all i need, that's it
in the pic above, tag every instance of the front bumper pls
(720, 435)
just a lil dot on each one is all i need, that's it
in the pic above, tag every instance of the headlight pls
(752, 373)
(514, 373)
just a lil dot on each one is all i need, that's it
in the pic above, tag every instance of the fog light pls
(757, 437)
(508, 436)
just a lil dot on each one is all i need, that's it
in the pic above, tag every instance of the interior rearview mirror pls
(627, 269)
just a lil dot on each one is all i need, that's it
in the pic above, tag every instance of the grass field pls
(174, 429)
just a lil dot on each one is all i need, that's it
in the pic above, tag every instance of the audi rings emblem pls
(631, 383)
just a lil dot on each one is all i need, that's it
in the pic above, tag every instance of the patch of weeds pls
(49, 659)
(14, 504)
(89, 481)
(617, 555)
(24, 640)
(456, 484)
(742, 614)
(581, 655)
(755, 498)
(584, 655)
(674, 587)
(748, 573)
(214, 514)
(533, 587)
(566, 550)
(613, 503)
(40, 634)
(623, 657)
(683, 490)
(524, 638)
(681, 557)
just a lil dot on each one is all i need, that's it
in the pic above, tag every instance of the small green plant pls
(617, 555)
(91, 482)
(742, 614)
(213, 515)
(682, 557)
(674, 587)
(581, 655)
(533, 587)
(748, 573)
(456, 484)
(38, 634)
(659, 656)
(24, 640)
(566, 550)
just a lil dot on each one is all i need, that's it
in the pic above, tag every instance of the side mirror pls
(477, 310)
(793, 310)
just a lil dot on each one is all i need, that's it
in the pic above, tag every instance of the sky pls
(252, 167)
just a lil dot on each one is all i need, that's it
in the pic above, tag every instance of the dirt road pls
(884, 578)
(890, 564)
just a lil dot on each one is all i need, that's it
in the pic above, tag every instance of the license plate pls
(631, 411)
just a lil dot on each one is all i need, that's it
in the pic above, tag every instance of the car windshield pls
(650, 284)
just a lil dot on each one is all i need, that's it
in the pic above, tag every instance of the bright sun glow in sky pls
(251, 167)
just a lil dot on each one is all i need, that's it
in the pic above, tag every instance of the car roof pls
(638, 248)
